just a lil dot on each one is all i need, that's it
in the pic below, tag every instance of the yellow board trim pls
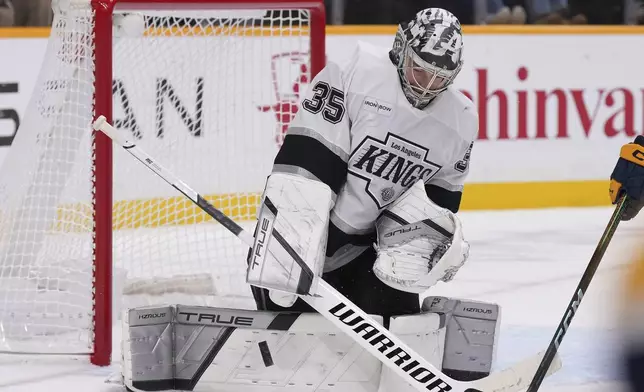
(513, 195)
(158, 212)
(43, 32)
(177, 210)
(24, 32)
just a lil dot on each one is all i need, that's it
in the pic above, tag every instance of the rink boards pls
(553, 111)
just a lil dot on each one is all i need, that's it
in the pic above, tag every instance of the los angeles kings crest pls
(389, 167)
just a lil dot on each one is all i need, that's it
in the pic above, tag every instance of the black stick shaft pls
(578, 295)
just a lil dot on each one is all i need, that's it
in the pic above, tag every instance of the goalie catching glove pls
(419, 243)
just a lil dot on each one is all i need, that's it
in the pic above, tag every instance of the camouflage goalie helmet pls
(428, 52)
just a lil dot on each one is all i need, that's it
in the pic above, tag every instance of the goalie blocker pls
(231, 350)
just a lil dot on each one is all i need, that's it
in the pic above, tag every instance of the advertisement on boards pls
(552, 108)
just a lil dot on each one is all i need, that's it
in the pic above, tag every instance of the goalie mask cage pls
(206, 86)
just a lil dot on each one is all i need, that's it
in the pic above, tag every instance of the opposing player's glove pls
(628, 177)
(419, 243)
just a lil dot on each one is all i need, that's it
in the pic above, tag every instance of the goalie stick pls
(349, 318)
(578, 295)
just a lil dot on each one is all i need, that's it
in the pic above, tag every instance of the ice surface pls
(527, 261)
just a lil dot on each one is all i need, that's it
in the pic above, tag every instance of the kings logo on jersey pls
(390, 167)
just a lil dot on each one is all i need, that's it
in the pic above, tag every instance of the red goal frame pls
(102, 164)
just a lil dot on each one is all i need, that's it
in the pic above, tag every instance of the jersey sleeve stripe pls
(447, 185)
(303, 131)
(315, 158)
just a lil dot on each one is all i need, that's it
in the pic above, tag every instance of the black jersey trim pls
(338, 238)
(444, 198)
(311, 155)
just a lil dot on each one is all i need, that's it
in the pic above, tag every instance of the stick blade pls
(517, 377)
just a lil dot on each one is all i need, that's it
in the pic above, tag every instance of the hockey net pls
(205, 88)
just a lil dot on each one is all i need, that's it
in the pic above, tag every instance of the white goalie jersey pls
(357, 133)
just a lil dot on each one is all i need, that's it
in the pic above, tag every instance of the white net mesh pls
(208, 94)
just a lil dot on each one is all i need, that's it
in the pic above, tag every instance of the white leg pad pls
(304, 354)
(457, 336)
(471, 337)
(424, 332)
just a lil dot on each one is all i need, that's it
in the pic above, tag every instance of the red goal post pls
(103, 105)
